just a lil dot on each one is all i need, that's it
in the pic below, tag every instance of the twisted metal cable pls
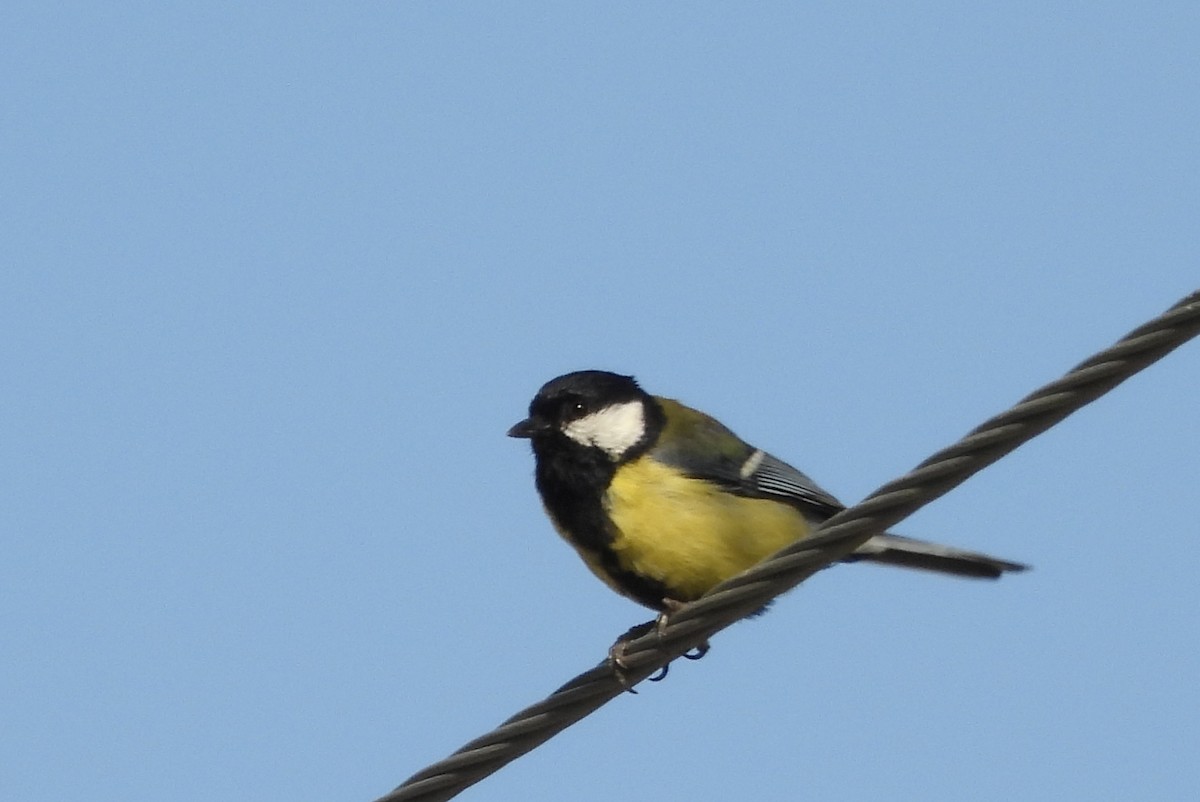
(749, 591)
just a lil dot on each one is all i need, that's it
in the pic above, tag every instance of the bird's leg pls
(616, 653)
(660, 627)
(671, 606)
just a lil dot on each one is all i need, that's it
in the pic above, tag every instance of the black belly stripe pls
(572, 487)
(642, 589)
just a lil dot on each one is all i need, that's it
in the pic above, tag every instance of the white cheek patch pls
(614, 430)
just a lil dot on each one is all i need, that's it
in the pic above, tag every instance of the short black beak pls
(526, 428)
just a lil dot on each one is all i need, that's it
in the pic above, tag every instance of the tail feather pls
(908, 552)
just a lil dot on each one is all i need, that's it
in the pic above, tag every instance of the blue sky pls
(277, 278)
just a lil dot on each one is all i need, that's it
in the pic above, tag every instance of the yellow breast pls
(688, 534)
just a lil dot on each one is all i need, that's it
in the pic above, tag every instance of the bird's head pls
(590, 409)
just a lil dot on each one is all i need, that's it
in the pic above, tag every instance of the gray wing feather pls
(774, 478)
(711, 452)
(707, 450)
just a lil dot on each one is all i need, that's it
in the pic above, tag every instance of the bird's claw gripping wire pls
(616, 653)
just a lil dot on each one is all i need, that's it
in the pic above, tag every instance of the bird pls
(663, 502)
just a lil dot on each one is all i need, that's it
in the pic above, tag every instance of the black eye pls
(577, 408)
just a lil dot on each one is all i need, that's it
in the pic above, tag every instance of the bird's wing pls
(703, 447)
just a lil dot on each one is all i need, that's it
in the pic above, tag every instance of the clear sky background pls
(277, 277)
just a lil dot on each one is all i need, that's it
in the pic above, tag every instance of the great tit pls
(663, 502)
